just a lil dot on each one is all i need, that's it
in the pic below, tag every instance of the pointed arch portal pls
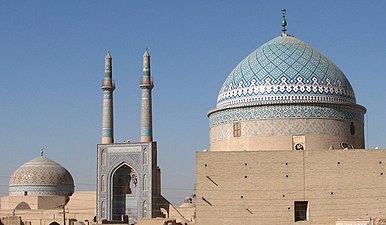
(124, 186)
(127, 176)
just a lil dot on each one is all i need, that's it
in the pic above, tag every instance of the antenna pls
(283, 22)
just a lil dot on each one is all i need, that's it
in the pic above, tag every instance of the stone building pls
(287, 144)
(128, 182)
(128, 189)
(39, 193)
(128, 176)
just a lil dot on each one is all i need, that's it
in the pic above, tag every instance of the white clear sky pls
(52, 57)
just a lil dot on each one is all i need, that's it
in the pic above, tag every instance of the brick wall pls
(260, 187)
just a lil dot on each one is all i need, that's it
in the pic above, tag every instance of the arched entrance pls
(124, 182)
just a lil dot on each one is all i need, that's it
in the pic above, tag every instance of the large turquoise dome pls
(283, 95)
(285, 70)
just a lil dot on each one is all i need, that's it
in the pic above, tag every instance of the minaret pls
(108, 88)
(146, 114)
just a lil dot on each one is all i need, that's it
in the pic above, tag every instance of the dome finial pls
(283, 22)
(108, 55)
(146, 54)
(41, 152)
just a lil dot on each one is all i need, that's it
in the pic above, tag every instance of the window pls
(103, 210)
(103, 183)
(103, 157)
(144, 182)
(144, 155)
(352, 128)
(301, 209)
(237, 129)
(144, 209)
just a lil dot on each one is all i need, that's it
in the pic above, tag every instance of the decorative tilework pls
(41, 190)
(285, 70)
(107, 132)
(41, 175)
(220, 133)
(132, 159)
(285, 111)
(125, 154)
(275, 127)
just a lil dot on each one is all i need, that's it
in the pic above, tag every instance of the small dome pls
(187, 202)
(285, 70)
(41, 176)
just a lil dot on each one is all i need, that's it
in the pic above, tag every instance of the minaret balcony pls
(108, 84)
(146, 83)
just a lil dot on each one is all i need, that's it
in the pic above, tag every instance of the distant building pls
(39, 193)
(287, 145)
(128, 176)
(40, 178)
(128, 187)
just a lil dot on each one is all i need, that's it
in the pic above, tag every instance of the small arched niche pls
(22, 206)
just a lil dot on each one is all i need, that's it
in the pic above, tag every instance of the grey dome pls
(41, 176)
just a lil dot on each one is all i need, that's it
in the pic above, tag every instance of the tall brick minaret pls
(146, 114)
(108, 88)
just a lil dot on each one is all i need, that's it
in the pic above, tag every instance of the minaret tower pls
(146, 114)
(108, 88)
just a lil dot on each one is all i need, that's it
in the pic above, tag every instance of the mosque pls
(40, 192)
(128, 189)
(287, 146)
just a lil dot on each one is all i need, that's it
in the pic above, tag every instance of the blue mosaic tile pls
(288, 68)
(285, 111)
(41, 176)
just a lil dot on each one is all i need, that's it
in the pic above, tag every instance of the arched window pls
(103, 183)
(103, 157)
(144, 155)
(144, 209)
(144, 183)
(103, 210)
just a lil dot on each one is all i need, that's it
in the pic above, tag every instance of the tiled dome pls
(285, 70)
(41, 176)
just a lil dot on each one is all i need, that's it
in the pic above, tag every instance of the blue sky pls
(52, 57)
